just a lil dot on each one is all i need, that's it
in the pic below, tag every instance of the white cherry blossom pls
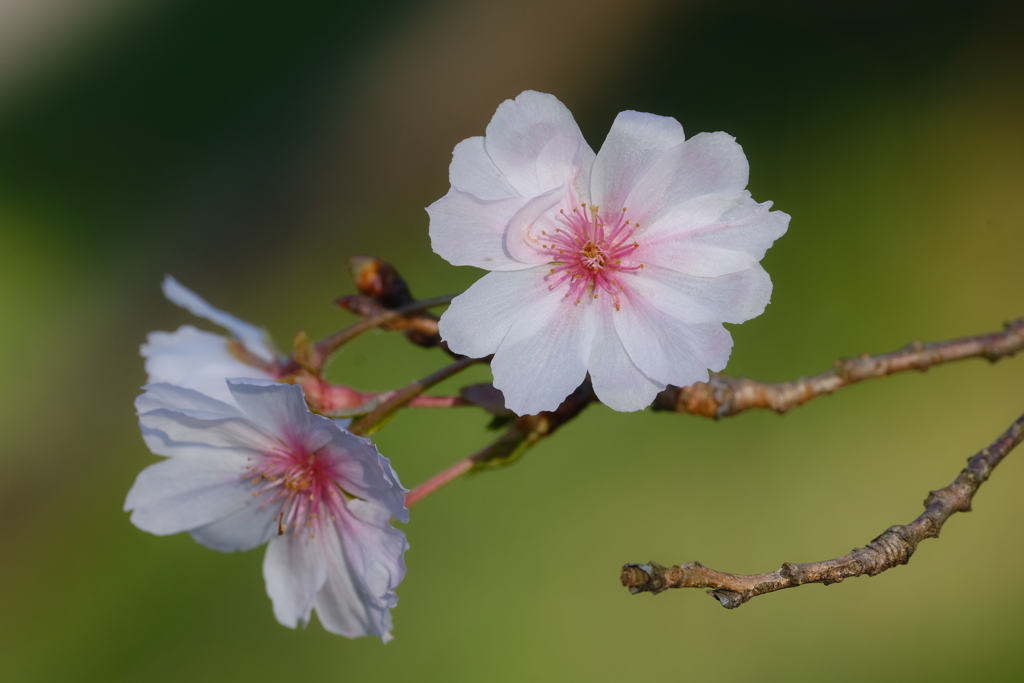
(201, 360)
(264, 468)
(623, 264)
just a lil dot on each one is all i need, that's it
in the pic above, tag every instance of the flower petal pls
(164, 395)
(281, 410)
(294, 571)
(183, 429)
(618, 382)
(250, 526)
(194, 359)
(733, 298)
(635, 141)
(479, 318)
(189, 491)
(519, 131)
(473, 171)
(253, 338)
(667, 349)
(712, 235)
(468, 231)
(363, 472)
(365, 565)
(524, 235)
(705, 164)
(543, 357)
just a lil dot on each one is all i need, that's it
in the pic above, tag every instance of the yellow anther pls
(255, 493)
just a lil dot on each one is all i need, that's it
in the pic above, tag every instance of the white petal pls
(705, 164)
(472, 171)
(524, 236)
(247, 528)
(667, 349)
(635, 141)
(561, 154)
(281, 410)
(194, 359)
(189, 491)
(479, 318)
(253, 338)
(618, 382)
(164, 395)
(733, 298)
(519, 131)
(365, 473)
(713, 235)
(185, 428)
(341, 605)
(294, 571)
(468, 231)
(543, 358)
(364, 569)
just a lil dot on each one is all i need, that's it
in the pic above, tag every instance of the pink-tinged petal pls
(363, 472)
(189, 491)
(251, 526)
(617, 381)
(253, 338)
(281, 410)
(524, 237)
(294, 570)
(543, 358)
(707, 163)
(668, 349)
(733, 298)
(519, 131)
(473, 171)
(635, 141)
(713, 235)
(479, 318)
(195, 359)
(364, 569)
(468, 231)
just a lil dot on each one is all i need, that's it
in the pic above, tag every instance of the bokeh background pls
(249, 148)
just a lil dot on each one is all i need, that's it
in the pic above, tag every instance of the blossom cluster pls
(617, 268)
(247, 462)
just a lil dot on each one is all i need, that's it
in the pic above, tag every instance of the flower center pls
(591, 253)
(302, 485)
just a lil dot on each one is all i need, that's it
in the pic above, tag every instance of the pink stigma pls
(590, 253)
(304, 486)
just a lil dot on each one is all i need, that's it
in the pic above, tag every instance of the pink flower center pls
(591, 253)
(305, 487)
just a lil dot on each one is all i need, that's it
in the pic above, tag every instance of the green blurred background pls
(250, 148)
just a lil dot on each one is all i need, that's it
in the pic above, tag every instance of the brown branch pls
(892, 548)
(723, 396)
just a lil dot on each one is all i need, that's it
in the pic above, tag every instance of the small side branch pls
(892, 548)
(723, 396)
(388, 403)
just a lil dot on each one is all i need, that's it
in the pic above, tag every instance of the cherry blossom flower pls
(202, 360)
(264, 468)
(623, 264)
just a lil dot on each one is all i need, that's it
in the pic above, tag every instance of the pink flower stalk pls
(623, 264)
(264, 468)
(200, 360)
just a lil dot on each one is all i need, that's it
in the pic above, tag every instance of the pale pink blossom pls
(623, 264)
(264, 468)
(201, 360)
